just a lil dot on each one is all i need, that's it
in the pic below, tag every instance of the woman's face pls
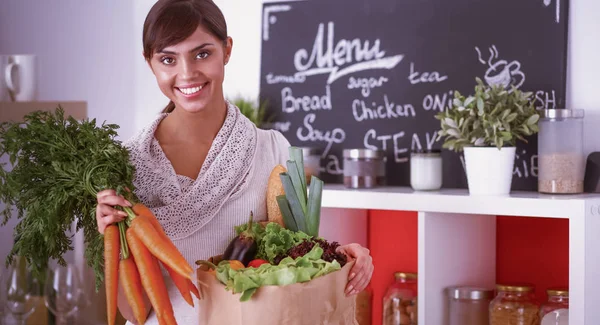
(191, 73)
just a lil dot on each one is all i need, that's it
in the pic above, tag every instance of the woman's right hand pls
(106, 214)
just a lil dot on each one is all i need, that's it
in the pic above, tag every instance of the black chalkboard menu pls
(341, 74)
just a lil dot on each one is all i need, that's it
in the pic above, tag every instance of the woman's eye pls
(167, 60)
(202, 55)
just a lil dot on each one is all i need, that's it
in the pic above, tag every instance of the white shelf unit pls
(457, 239)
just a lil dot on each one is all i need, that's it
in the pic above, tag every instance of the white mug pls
(21, 78)
(4, 95)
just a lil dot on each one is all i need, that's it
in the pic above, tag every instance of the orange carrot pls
(161, 249)
(152, 279)
(142, 210)
(170, 319)
(112, 246)
(132, 287)
(193, 289)
(184, 285)
(166, 320)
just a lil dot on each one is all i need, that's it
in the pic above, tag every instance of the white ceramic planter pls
(489, 170)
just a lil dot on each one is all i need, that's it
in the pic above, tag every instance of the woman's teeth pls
(189, 91)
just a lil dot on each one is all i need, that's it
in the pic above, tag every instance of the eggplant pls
(243, 247)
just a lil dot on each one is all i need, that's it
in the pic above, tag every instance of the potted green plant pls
(487, 126)
(249, 108)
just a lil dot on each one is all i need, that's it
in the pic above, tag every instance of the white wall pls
(584, 67)
(85, 52)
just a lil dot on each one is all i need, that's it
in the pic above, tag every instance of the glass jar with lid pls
(426, 170)
(561, 160)
(364, 168)
(400, 300)
(469, 305)
(515, 305)
(555, 311)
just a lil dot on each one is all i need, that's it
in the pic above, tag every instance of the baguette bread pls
(274, 189)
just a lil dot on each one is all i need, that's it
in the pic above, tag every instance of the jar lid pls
(514, 287)
(561, 113)
(363, 153)
(310, 151)
(563, 292)
(405, 275)
(471, 293)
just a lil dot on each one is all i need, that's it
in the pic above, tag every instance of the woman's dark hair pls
(172, 21)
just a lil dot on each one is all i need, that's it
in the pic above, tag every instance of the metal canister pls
(364, 168)
(469, 305)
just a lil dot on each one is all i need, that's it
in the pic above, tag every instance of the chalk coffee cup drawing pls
(20, 77)
(504, 74)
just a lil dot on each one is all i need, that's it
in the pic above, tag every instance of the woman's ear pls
(228, 47)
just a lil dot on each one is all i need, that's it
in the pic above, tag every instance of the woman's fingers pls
(363, 282)
(360, 274)
(105, 193)
(353, 285)
(113, 200)
(105, 221)
(103, 210)
(105, 213)
(356, 274)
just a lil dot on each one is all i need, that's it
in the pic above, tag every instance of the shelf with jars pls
(457, 239)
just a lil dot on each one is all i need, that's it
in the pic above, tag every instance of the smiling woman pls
(187, 47)
(200, 166)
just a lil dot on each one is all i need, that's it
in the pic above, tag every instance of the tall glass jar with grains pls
(515, 305)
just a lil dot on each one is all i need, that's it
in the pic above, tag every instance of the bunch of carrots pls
(134, 247)
(56, 182)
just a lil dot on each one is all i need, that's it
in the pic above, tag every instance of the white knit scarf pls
(183, 205)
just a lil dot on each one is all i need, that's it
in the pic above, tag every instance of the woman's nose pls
(188, 69)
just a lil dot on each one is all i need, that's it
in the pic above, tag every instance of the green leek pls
(300, 209)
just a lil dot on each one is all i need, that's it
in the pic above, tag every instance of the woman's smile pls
(191, 72)
(191, 91)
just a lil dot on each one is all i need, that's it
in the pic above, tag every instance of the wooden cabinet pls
(14, 111)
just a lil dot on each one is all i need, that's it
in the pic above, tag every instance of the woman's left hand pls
(361, 272)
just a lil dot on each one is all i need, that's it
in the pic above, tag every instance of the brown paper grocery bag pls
(321, 301)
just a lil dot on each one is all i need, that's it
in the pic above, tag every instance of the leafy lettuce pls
(289, 271)
(273, 240)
